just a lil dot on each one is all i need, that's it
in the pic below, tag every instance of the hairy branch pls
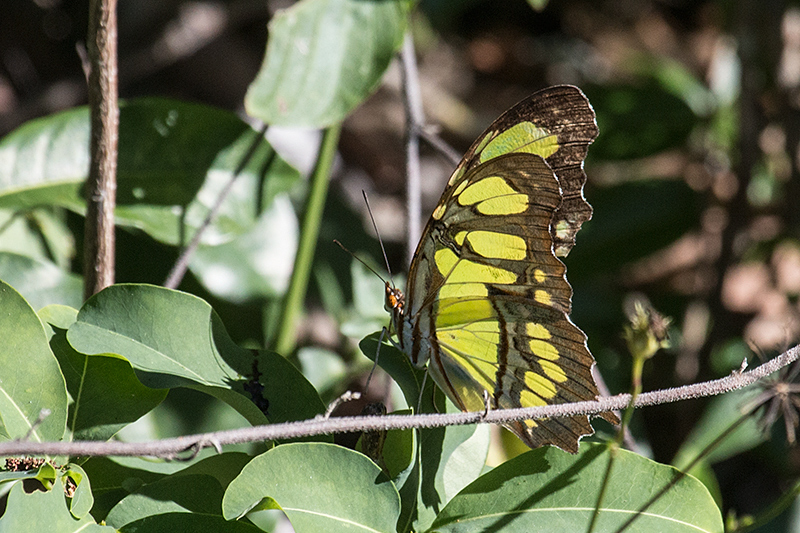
(171, 448)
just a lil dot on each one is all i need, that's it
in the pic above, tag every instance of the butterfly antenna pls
(343, 247)
(378, 234)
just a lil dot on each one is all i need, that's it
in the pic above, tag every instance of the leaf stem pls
(636, 390)
(285, 338)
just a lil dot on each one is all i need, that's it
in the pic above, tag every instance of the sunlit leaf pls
(548, 490)
(340, 489)
(31, 380)
(323, 58)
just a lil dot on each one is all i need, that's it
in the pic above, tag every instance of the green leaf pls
(177, 493)
(112, 480)
(174, 160)
(324, 57)
(196, 523)
(37, 233)
(82, 500)
(550, 490)
(320, 487)
(40, 282)
(106, 395)
(31, 379)
(116, 478)
(170, 337)
(256, 263)
(223, 467)
(399, 367)
(47, 475)
(48, 158)
(291, 397)
(44, 511)
(399, 451)
(450, 458)
(720, 413)
(463, 456)
(323, 368)
(174, 339)
(167, 148)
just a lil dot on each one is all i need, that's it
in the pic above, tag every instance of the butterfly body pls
(487, 301)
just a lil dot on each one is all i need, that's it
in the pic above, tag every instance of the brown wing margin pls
(565, 112)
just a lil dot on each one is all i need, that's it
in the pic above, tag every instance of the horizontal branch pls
(170, 448)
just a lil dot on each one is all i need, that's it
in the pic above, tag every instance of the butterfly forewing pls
(558, 124)
(488, 301)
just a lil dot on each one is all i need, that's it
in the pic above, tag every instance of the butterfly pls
(487, 302)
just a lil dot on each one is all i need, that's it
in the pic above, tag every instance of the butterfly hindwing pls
(488, 301)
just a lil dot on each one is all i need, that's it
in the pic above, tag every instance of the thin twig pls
(101, 196)
(307, 428)
(437, 143)
(415, 120)
(182, 264)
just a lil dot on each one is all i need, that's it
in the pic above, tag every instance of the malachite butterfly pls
(487, 304)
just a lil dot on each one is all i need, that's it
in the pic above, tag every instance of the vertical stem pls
(309, 232)
(102, 185)
(415, 118)
(636, 390)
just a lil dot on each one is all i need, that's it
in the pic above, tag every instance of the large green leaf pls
(178, 493)
(112, 480)
(548, 490)
(320, 487)
(106, 395)
(165, 150)
(175, 158)
(174, 339)
(30, 378)
(115, 478)
(323, 58)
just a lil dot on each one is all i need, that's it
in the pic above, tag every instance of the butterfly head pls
(395, 300)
